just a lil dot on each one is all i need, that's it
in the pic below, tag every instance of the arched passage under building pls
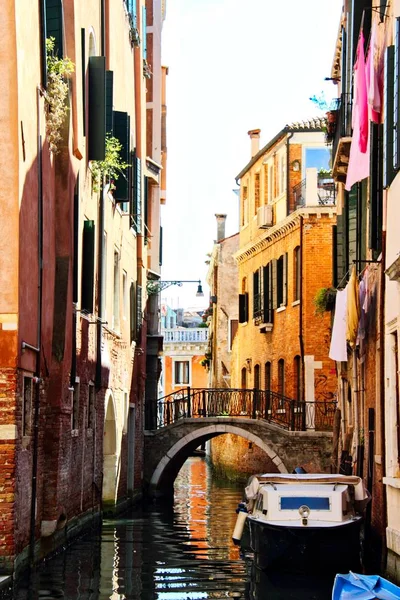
(110, 461)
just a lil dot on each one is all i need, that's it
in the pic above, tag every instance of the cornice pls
(279, 231)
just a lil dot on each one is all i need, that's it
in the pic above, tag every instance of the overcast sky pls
(233, 66)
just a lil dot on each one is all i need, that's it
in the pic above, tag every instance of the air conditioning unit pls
(265, 216)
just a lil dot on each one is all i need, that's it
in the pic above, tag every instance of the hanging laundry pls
(375, 68)
(353, 308)
(338, 348)
(358, 168)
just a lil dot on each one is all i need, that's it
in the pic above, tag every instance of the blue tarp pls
(354, 586)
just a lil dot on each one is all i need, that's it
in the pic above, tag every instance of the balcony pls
(179, 336)
(342, 139)
(315, 190)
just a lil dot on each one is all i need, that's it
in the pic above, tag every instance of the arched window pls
(257, 377)
(267, 376)
(243, 383)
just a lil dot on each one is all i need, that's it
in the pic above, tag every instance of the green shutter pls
(388, 128)
(43, 57)
(284, 278)
(122, 133)
(97, 108)
(352, 224)
(136, 202)
(256, 294)
(267, 293)
(396, 99)
(375, 188)
(54, 24)
(274, 265)
(83, 66)
(146, 208)
(160, 258)
(109, 103)
(340, 256)
(88, 266)
(132, 302)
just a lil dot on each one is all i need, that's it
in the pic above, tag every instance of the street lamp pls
(155, 286)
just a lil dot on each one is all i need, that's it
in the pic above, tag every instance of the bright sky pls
(233, 66)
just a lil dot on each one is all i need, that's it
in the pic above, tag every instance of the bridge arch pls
(167, 469)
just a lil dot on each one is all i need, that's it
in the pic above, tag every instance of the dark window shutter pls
(352, 224)
(109, 103)
(375, 188)
(122, 133)
(139, 310)
(161, 246)
(144, 32)
(43, 35)
(340, 255)
(267, 294)
(146, 208)
(274, 269)
(284, 278)
(243, 308)
(83, 66)
(88, 266)
(388, 92)
(97, 108)
(54, 24)
(76, 242)
(256, 294)
(396, 99)
(136, 202)
(132, 306)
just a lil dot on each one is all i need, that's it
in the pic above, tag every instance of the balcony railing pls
(343, 125)
(185, 335)
(314, 190)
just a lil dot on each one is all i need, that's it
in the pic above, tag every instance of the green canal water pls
(179, 552)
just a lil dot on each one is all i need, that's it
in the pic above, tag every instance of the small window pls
(267, 376)
(245, 206)
(257, 377)
(181, 372)
(27, 406)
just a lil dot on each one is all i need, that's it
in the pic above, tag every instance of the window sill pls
(296, 303)
(281, 309)
(393, 482)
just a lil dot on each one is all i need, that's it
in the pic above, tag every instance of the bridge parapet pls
(289, 414)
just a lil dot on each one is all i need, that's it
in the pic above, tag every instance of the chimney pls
(255, 141)
(220, 227)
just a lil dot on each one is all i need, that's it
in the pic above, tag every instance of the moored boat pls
(364, 587)
(303, 521)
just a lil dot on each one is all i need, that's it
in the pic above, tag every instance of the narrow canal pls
(182, 552)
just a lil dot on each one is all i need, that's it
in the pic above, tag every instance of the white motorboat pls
(303, 521)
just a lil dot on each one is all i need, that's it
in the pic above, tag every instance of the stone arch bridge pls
(289, 432)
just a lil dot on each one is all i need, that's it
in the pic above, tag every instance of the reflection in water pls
(182, 552)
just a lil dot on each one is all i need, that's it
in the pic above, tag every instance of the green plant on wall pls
(109, 169)
(58, 70)
(324, 300)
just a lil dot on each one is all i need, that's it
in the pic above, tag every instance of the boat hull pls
(303, 549)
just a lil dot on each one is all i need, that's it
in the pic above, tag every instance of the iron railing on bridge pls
(293, 415)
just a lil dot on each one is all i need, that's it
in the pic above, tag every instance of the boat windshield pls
(294, 502)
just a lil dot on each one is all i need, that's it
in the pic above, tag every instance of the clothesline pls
(344, 278)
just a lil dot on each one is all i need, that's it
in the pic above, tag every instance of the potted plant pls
(324, 300)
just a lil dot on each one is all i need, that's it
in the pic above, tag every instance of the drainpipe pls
(382, 371)
(37, 380)
(288, 138)
(103, 195)
(301, 340)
